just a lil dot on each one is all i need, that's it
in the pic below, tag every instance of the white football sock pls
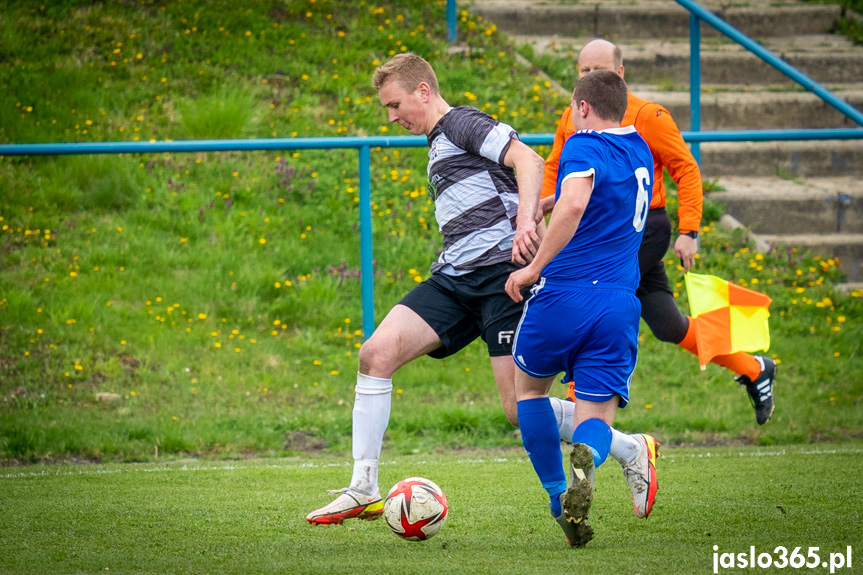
(371, 415)
(564, 412)
(624, 447)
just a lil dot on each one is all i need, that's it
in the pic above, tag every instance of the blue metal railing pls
(695, 83)
(698, 13)
(451, 22)
(364, 146)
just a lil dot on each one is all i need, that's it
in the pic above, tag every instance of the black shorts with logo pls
(462, 308)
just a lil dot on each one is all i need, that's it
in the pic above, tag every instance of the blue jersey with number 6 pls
(604, 249)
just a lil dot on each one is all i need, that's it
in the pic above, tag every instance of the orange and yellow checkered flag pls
(728, 318)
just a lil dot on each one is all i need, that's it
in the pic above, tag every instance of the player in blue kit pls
(582, 318)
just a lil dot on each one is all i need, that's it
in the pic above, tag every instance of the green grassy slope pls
(209, 303)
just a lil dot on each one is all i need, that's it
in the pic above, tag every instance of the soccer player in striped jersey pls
(485, 184)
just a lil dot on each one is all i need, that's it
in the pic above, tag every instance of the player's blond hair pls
(409, 70)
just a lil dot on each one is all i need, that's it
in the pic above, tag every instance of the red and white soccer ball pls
(415, 509)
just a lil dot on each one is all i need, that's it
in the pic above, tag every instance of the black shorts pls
(462, 308)
(651, 254)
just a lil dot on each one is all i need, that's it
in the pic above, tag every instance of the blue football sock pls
(596, 434)
(541, 440)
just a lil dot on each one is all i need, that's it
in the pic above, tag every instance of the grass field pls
(248, 517)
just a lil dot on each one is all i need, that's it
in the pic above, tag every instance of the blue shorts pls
(589, 333)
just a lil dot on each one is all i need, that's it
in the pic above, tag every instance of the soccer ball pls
(415, 509)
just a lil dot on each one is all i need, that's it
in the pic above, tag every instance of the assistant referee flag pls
(728, 318)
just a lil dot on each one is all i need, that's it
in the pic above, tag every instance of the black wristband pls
(693, 235)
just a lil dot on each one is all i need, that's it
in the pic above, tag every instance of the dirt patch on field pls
(305, 442)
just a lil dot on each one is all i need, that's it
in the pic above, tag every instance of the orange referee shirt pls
(658, 129)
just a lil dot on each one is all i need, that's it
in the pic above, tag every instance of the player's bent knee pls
(378, 358)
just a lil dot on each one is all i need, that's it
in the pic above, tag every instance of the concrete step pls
(809, 206)
(733, 64)
(847, 248)
(850, 287)
(823, 216)
(654, 18)
(826, 58)
(825, 159)
(756, 110)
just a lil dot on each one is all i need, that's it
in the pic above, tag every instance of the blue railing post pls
(451, 14)
(695, 81)
(366, 262)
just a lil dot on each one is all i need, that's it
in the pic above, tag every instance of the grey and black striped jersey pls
(475, 194)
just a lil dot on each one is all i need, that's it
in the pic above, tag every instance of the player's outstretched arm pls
(574, 196)
(671, 150)
(528, 170)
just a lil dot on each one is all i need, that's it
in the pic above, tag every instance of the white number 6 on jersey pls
(641, 203)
